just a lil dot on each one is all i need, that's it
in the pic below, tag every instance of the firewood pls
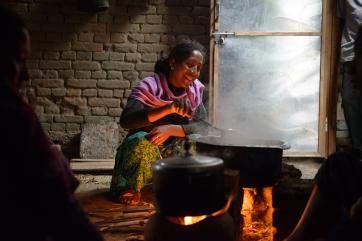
(135, 216)
(124, 210)
(96, 215)
(141, 222)
(122, 214)
(139, 209)
(130, 229)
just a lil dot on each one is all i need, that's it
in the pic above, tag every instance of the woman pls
(160, 111)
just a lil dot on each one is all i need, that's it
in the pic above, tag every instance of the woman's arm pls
(155, 114)
(161, 133)
(136, 115)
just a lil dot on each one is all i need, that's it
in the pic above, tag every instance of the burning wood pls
(257, 212)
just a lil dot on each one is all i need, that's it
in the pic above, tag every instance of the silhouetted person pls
(37, 199)
(334, 209)
(350, 11)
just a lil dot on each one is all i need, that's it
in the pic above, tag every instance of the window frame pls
(328, 73)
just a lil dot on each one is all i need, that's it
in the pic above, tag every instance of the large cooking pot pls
(190, 185)
(259, 161)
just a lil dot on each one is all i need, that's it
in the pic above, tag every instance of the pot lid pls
(188, 161)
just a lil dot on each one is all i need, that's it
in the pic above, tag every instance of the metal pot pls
(190, 185)
(259, 161)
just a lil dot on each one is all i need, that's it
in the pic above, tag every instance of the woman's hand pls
(182, 107)
(161, 133)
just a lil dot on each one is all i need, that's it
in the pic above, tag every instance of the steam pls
(268, 88)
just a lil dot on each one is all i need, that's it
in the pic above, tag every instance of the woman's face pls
(182, 74)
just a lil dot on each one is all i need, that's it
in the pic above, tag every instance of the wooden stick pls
(131, 229)
(96, 215)
(125, 210)
(139, 209)
(106, 210)
(124, 218)
(122, 214)
(125, 224)
(136, 214)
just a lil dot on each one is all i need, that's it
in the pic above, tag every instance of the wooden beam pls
(251, 34)
(98, 165)
(334, 74)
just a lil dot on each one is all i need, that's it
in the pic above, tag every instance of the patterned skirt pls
(134, 159)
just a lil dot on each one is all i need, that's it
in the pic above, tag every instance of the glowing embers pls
(192, 220)
(188, 220)
(257, 213)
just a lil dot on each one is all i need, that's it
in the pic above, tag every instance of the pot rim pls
(247, 142)
(196, 161)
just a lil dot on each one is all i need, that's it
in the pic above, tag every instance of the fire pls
(257, 213)
(188, 220)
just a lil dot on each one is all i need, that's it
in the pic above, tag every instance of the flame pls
(189, 220)
(257, 211)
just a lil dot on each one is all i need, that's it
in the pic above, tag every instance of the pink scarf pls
(153, 91)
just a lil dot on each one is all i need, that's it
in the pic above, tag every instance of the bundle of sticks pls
(121, 219)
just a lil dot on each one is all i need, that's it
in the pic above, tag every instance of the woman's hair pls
(12, 41)
(179, 53)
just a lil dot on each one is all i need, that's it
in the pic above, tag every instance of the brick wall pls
(83, 65)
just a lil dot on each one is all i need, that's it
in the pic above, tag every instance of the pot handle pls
(226, 206)
(181, 220)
